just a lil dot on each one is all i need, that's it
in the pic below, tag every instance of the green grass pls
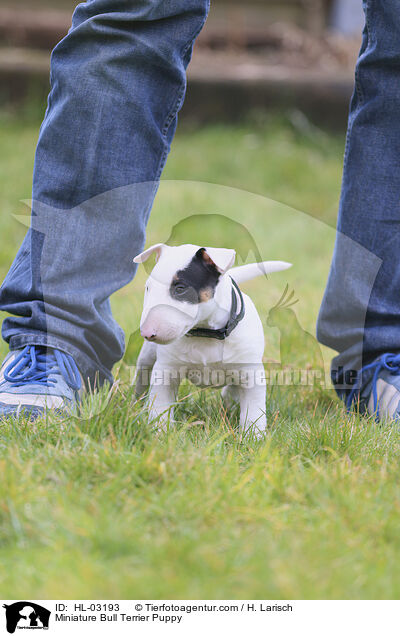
(101, 507)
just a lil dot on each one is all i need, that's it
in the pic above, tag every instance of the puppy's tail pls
(247, 272)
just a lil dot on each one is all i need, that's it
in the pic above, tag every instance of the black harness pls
(234, 319)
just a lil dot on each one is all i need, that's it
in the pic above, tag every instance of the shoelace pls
(390, 362)
(36, 365)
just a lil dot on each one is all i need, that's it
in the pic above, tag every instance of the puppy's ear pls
(157, 249)
(220, 257)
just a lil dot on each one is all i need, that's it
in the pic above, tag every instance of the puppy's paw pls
(162, 422)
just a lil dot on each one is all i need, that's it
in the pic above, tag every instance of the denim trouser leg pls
(118, 81)
(360, 313)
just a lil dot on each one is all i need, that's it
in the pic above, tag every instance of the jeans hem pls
(94, 375)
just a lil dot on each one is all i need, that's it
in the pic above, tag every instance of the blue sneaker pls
(380, 393)
(35, 379)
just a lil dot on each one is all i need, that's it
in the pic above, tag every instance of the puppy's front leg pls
(163, 391)
(252, 408)
(145, 363)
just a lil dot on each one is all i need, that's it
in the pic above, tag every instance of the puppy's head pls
(180, 289)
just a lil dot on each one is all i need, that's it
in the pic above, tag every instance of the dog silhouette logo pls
(26, 615)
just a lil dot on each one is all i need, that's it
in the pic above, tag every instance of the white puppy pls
(197, 324)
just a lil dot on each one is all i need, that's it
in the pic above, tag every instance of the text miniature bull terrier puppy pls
(199, 325)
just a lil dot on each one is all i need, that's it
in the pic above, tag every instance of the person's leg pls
(118, 82)
(359, 316)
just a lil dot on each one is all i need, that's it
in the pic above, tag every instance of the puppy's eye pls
(183, 292)
(180, 289)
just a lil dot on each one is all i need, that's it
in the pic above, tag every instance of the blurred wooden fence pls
(311, 14)
(42, 23)
(218, 91)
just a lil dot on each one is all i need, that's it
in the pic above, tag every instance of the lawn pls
(98, 507)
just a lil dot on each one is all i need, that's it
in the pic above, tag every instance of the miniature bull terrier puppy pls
(197, 324)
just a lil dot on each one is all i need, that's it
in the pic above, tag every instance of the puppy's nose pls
(148, 334)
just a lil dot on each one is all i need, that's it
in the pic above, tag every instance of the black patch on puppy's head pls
(195, 283)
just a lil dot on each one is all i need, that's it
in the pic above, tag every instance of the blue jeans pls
(360, 313)
(118, 81)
